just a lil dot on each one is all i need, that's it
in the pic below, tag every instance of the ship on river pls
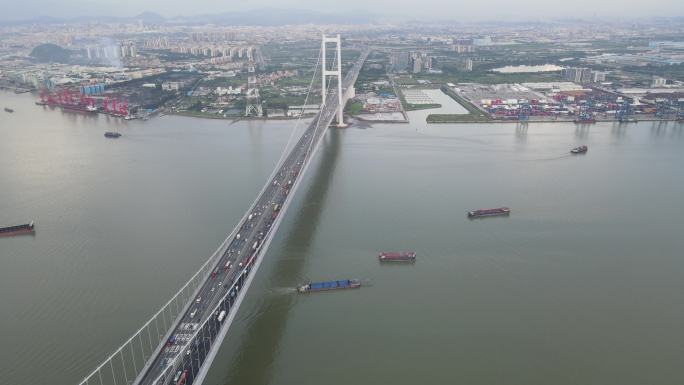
(579, 150)
(28, 228)
(496, 212)
(311, 287)
(392, 256)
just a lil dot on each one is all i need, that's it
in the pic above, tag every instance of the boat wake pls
(546, 159)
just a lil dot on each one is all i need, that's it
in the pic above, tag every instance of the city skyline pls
(379, 11)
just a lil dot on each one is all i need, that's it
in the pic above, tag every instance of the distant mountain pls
(261, 17)
(274, 16)
(150, 17)
(51, 53)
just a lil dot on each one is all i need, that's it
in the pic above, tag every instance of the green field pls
(416, 107)
(354, 108)
(455, 118)
(474, 115)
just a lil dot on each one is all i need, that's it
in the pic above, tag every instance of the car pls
(198, 300)
(188, 352)
(171, 340)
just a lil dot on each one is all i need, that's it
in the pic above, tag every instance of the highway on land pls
(217, 295)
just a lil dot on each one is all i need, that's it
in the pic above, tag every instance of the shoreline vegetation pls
(418, 107)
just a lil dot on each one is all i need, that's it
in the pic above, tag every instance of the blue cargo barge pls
(329, 285)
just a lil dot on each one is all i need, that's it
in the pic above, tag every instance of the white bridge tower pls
(333, 72)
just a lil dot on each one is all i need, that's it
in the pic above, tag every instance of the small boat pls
(501, 211)
(27, 228)
(310, 287)
(7, 109)
(404, 256)
(579, 150)
(111, 134)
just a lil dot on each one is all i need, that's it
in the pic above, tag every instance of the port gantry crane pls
(524, 112)
(665, 109)
(624, 111)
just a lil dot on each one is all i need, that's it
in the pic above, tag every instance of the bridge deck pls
(186, 353)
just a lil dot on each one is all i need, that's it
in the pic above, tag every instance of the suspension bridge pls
(178, 344)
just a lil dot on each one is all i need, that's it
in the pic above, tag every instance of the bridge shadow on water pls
(253, 358)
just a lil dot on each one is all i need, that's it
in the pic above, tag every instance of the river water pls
(582, 284)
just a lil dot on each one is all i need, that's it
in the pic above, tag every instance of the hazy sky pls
(442, 9)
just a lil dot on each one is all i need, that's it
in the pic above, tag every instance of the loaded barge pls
(329, 285)
(404, 256)
(501, 211)
(28, 228)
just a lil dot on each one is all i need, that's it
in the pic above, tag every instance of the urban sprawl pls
(583, 72)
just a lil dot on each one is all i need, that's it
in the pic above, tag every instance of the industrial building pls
(583, 75)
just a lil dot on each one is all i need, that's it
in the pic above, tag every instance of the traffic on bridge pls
(190, 344)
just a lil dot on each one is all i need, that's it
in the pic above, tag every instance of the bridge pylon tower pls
(253, 107)
(333, 72)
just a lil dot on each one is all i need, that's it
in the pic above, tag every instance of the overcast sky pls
(424, 9)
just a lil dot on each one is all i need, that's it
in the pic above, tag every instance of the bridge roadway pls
(186, 353)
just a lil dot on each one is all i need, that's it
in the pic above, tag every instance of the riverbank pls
(449, 118)
(236, 118)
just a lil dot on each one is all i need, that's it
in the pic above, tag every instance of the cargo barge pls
(404, 256)
(497, 212)
(88, 109)
(579, 150)
(329, 285)
(28, 228)
(111, 134)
